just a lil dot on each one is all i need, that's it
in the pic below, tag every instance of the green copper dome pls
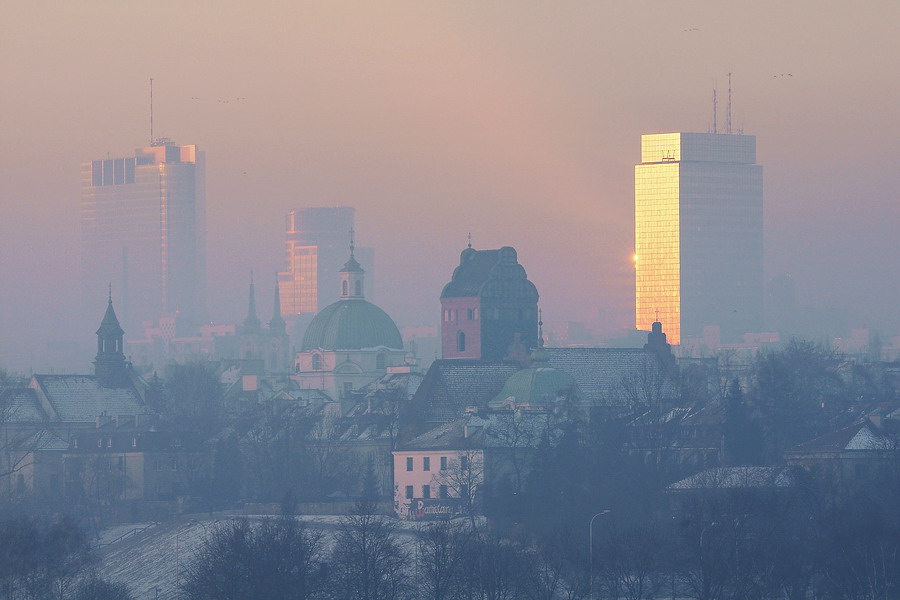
(351, 324)
(538, 386)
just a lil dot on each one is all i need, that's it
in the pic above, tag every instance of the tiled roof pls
(81, 399)
(737, 478)
(858, 436)
(491, 430)
(450, 386)
(21, 405)
(608, 376)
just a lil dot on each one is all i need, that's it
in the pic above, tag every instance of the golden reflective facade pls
(698, 235)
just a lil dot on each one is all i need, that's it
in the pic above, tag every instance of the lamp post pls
(591, 550)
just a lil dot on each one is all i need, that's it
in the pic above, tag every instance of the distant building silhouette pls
(270, 346)
(488, 305)
(315, 249)
(698, 208)
(143, 229)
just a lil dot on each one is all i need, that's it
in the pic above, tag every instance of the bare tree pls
(442, 550)
(368, 560)
(278, 558)
(464, 478)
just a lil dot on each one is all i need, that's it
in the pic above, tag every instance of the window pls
(409, 491)
(345, 290)
(317, 362)
(443, 463)
(443, 491)
(99, 443)
(460, 342)
(470, 314)
(75, 442)
(446, 314)
(109, 443)
(134, 442)
(409, 463)
(475, 313)
(463, 462)
(358, 288)
(380, 361)
(426, 491)
(426, 463)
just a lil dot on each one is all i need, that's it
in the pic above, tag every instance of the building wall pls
(434, 477)
(461, 316)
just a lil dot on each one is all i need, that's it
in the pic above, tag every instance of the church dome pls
(537, 386)
(351, 324)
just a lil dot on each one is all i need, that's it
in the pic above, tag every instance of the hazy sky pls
(518, 121)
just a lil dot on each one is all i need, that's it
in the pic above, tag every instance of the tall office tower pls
(698, 214)
(143, 230)
(316, 242)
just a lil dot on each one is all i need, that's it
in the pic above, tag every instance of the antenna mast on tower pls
(151, 111)
(715, 117)
(728, 112)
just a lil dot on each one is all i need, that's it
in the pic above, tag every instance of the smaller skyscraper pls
(488, 305)
(315, 247)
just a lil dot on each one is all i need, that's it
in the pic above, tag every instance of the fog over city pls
(517, 122)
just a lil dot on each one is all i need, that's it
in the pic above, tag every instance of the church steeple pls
(109, 365)
(352, 277)
(276, 325)
(251, 323)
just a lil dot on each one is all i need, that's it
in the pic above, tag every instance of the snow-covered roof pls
(81, 398)
(733, 478)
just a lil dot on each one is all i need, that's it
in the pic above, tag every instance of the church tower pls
(352, 277)
(110, 367)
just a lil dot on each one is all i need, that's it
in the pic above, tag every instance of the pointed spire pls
(277, 325)
(109, 364)
(252, 321)
(351, 243)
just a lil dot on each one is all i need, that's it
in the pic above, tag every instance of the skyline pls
(433, 121)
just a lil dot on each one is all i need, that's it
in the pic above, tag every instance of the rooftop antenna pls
(151, 111)
(715, 116)
(728, 111)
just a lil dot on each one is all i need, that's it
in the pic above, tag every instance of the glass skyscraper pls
(698, 213)
(317, 242)
(143, 230)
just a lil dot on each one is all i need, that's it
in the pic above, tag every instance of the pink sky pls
(516, 120)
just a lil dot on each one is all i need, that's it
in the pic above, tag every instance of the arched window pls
(358, 288)
(460, 342)
(380, 361)
(317, 362)
(345, 290)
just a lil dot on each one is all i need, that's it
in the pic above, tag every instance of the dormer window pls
(317, 362)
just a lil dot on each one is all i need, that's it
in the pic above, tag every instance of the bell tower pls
(110, 367)
(352, 277)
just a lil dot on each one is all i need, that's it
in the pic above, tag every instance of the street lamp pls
(591, 549)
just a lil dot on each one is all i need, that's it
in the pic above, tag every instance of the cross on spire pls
(470, 239)
(351, 241)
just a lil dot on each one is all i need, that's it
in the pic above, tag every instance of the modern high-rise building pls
(698, 214)
(316, 242)
(143, 231)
